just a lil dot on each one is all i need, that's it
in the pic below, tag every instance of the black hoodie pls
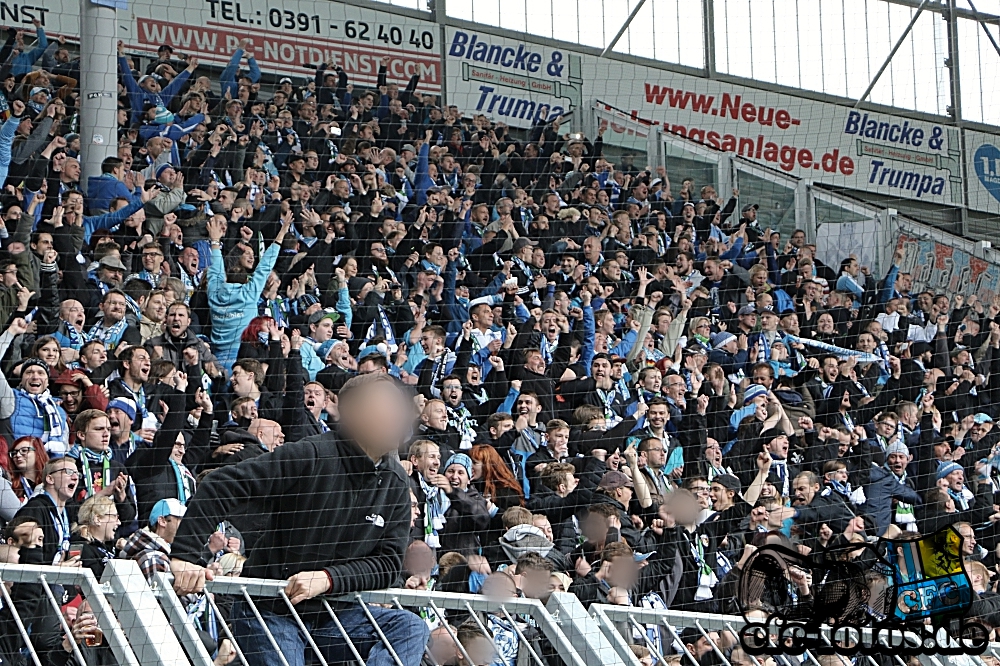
(328, 507)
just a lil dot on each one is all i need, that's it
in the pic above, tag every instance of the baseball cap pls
(164, 508)
(613, 481)
(747, 310)
(409, 147)
(522, 243)
(768, 311)
(750, 207)
(729, 482)
(982, 418)
(329, 313)
(284, 79)
(38, 89)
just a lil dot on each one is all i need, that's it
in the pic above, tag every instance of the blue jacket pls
(22, 63)
(139, 97)
(110, 220)
(881, 489)
(7, 132)
(28, 420)
(421, 175)
(233, 305)
(311, 363)
(228, 76)
(102, 189)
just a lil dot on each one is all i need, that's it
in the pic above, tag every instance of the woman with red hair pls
(497, 483)
(261, 341)
(27, 458)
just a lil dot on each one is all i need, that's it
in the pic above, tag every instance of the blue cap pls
(982, 418)
(752, 392)
(166, 507)
(163, 167)
(947, 468)
(460, 459)
(325, 348)
(126, 405)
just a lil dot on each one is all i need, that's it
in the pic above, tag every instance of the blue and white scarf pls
(111, 336)
(48, 410)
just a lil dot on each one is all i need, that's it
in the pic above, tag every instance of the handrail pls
(575, 652)
(95, 593)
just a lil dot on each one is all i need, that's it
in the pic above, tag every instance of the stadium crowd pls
(621, 386)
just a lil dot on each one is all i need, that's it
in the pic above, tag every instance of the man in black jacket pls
(53, 509)
(339, 514)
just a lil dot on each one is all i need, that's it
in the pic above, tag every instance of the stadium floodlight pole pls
(888, 59)
(621, 31)
(98, 84)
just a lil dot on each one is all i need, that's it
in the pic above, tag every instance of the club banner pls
(940, 262)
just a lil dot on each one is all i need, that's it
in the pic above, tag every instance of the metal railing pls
(93, 592)
(564, 622)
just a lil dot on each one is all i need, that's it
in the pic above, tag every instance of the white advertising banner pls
(288, 38)
(518, 82)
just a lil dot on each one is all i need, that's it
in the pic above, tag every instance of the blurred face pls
(119, 422)
(270, 434)
(315, 397)
(378, 417)
(527, 405)
(180, 448)
(94, 356)
(652, 381)
(779, 447)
